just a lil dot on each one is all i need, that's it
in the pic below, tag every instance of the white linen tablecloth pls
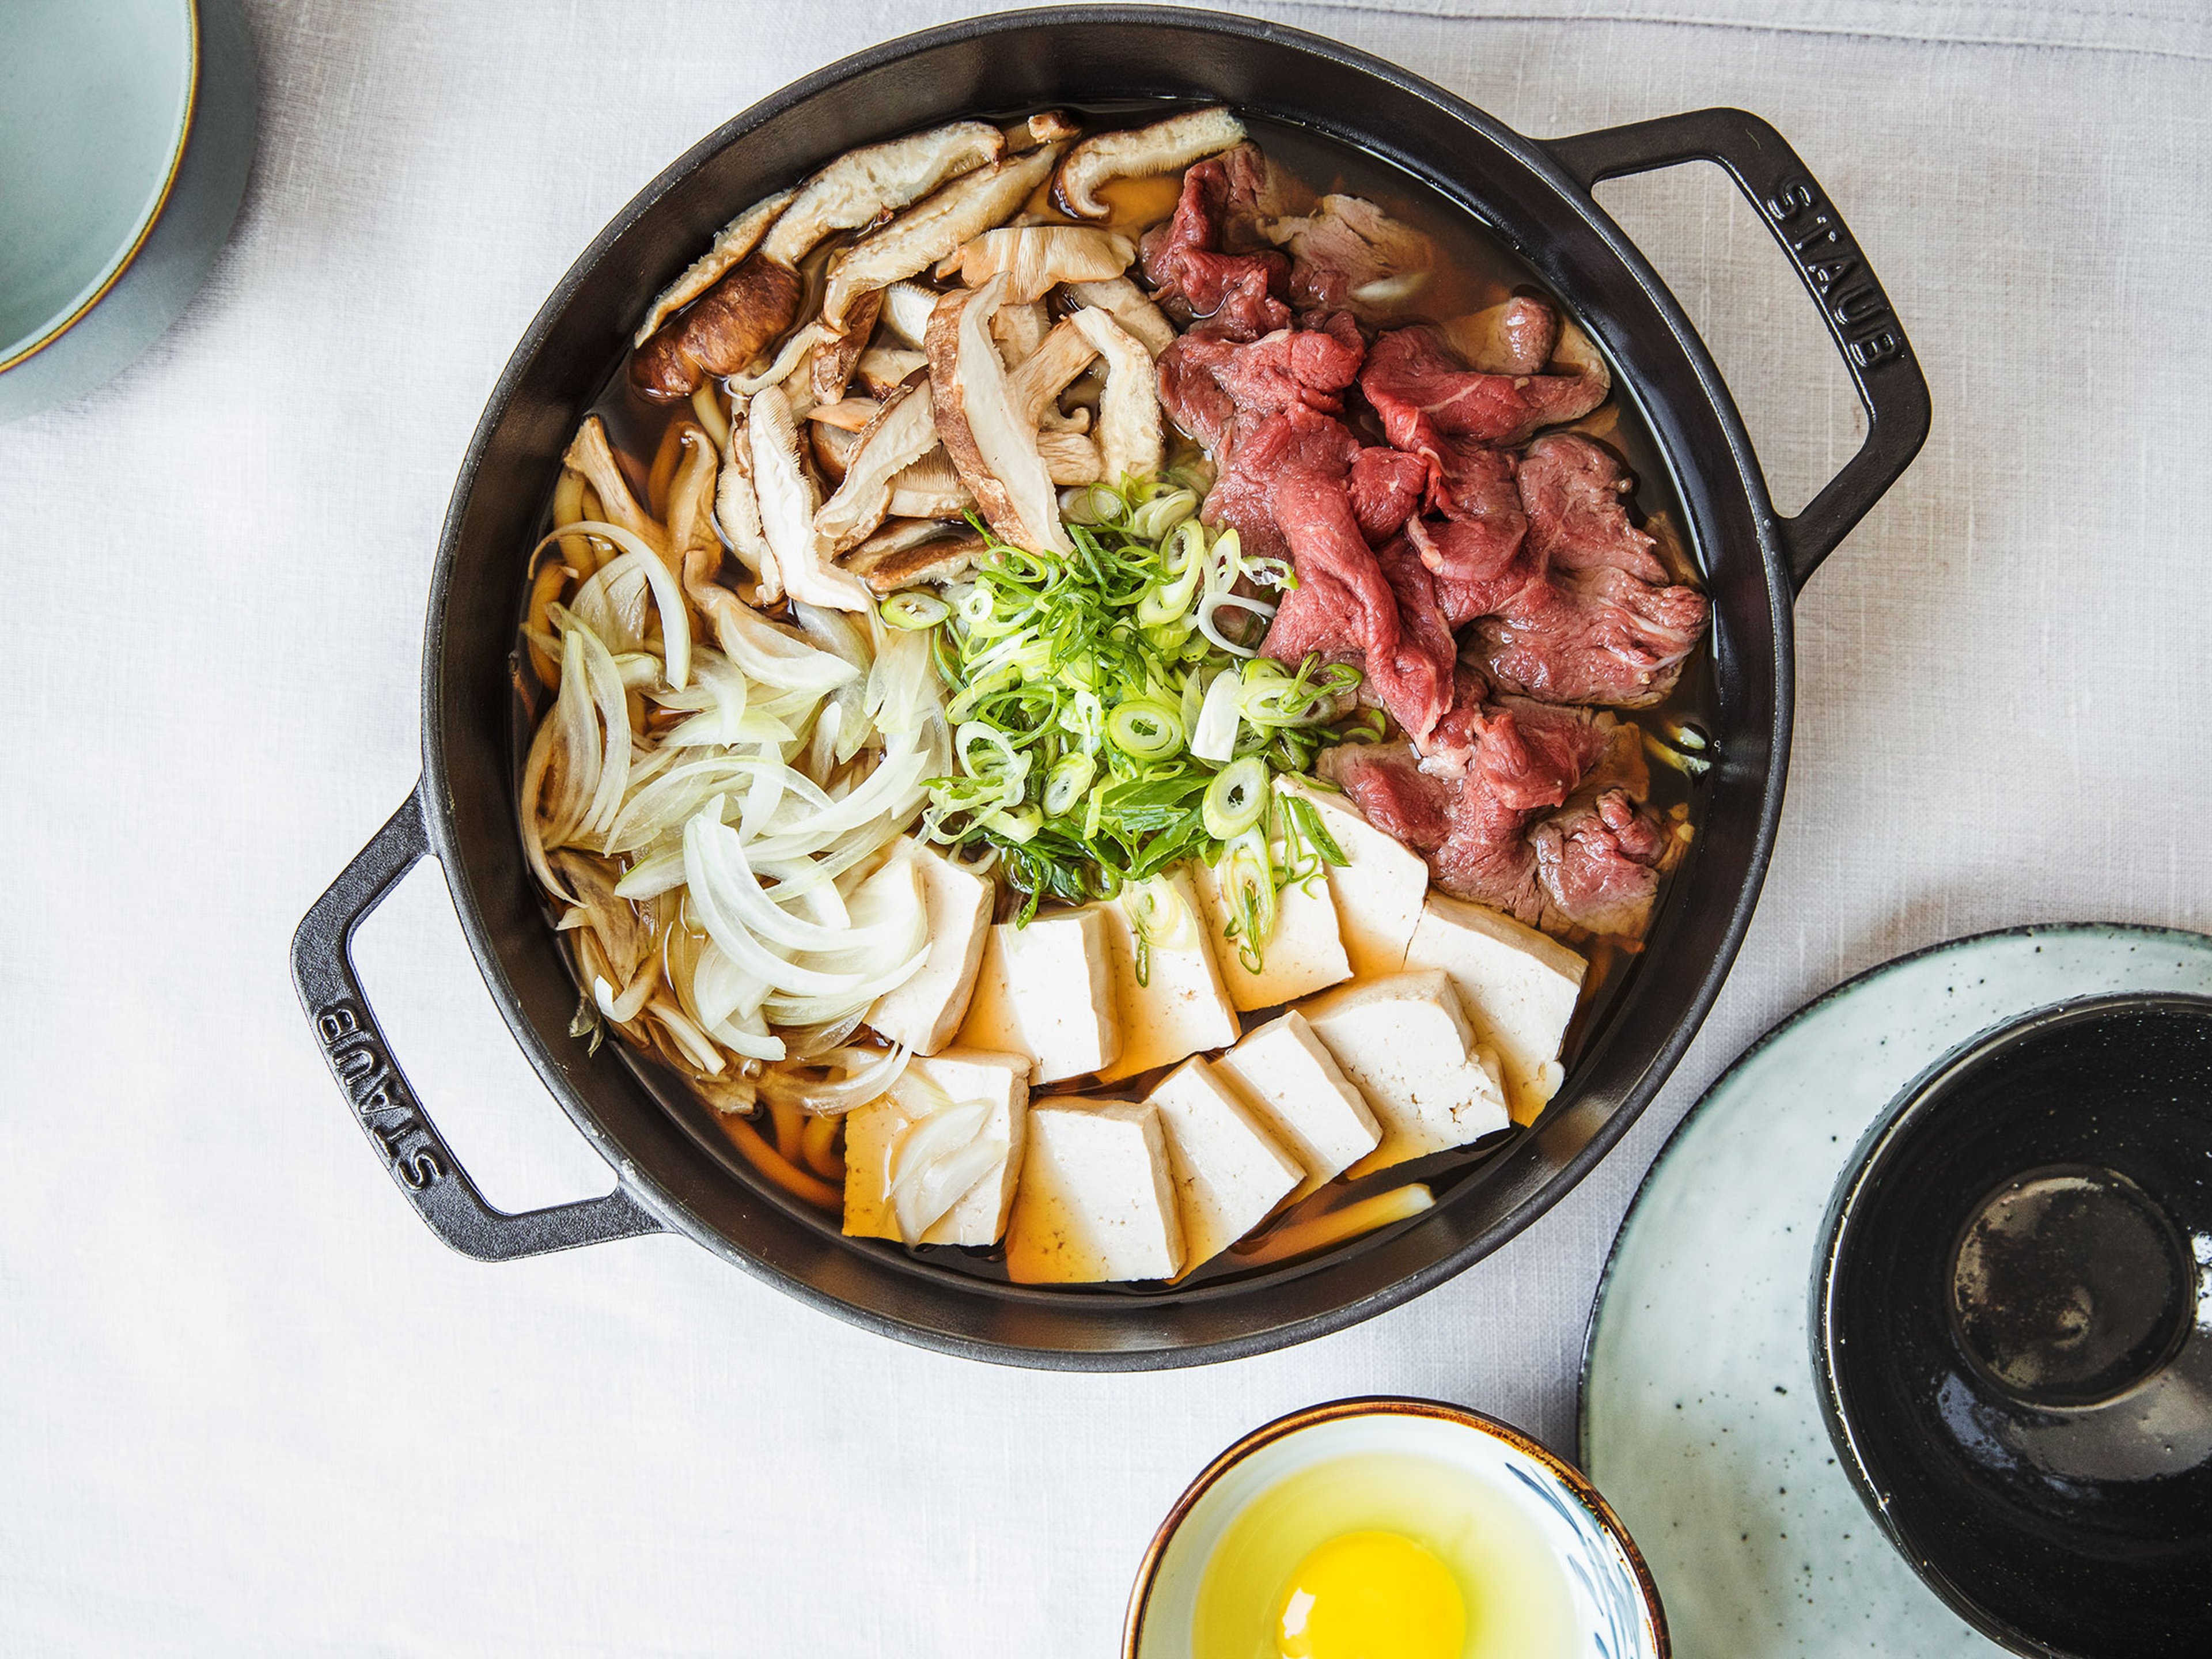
(249, 1405)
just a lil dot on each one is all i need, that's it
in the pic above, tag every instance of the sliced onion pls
(870, 1077)
(1213, 737)
(667, 596)
(775, 657)
(689, 1037)
(933, 1163)
(711, 882)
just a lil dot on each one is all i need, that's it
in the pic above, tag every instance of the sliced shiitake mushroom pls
(990, 439)
(789, 500)
(850, 414)
(1070, 458)
(833, 447)
(737, 506)
(1036, 259)
(882, 369)
(1129, 306)
(736, 238)
(1019, 329)
(1130, 442)
(1139, 153)
(924, 235)
(903, 431)
(836, 358)
(590, 455)
(733, 321)
(931, 488)
(906, 306)
(942, 555)
(863, 184)
(1038, 379)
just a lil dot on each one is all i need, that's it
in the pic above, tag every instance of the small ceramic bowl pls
(1614, 1610)
(2013, 1328)
(127, 126)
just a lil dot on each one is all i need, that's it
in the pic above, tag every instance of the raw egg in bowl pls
(1389, 1529)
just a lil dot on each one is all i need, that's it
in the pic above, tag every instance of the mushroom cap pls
(734, 241)
(1140, 153)
(726, 328)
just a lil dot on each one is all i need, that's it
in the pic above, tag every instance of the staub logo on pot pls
(1837, 271)
(379, 1093)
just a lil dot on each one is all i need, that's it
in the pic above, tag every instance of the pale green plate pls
(126, 133)
(1700, 1417)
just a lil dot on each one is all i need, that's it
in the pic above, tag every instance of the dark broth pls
(1475, 268)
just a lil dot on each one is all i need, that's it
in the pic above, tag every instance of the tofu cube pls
(1181, 1008)
(872, 1133)
(924, 1013)
(1229, 1172)
(1095, 1200)
(1305, 953)
(1518, 988)
(1378, 889)
(1300, 1093)
(1406, 1044)
(1047, 991)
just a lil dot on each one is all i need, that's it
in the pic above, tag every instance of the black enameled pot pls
(675, 1171)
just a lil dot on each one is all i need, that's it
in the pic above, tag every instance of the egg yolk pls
(1371, 1596)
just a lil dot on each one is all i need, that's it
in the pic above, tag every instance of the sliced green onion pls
(1145, 730)
(912, 608)
(1066, 784)
(1313, 831)
(1247, 879)
(1235, 800)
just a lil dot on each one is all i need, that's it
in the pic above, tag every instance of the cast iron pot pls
(675, 1171)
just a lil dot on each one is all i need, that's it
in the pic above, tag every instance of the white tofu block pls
(1518, 988)
(1378, 891)
(1096, 1200)
(1305, 953)
(1047, 991)
(924, 1013)
(1406, 1044)
(1229, 1172)
(1300, 1093)
(1182, 1007)
(871, 1133)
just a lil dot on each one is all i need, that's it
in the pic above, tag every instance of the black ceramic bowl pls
(677, 1170)
(2012, 1328)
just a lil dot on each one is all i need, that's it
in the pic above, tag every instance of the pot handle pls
(1809, 229)
(393, 1119)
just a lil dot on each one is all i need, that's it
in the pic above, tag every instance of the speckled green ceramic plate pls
(1700, 1417)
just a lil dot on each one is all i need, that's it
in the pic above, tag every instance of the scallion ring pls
(1064, 786)
(1235, 800)
(913, 609)
(1145, 730)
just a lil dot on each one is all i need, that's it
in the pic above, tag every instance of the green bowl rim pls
(55, 330)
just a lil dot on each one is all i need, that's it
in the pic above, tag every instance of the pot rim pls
(1744, 482)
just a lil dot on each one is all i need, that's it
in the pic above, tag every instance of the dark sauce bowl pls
(2012, 1324)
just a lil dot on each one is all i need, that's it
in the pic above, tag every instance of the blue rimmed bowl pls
(1614, 1608)
(127, 126)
